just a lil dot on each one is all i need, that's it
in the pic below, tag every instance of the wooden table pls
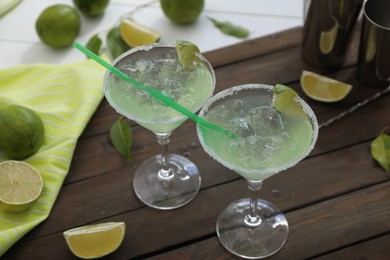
(337, 201)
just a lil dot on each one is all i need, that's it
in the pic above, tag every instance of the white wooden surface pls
(19, 43)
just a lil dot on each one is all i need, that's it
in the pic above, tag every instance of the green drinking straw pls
(155, 93)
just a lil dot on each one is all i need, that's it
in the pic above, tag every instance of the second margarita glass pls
(272, 135)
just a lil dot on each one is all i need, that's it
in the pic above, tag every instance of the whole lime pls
(21, 132)
(182, 11)
(58, 25)
(91, 7)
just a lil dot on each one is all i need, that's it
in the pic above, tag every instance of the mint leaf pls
(380, 150)
(121, 136)
(115, 43)
(94, 44)
(230, 29)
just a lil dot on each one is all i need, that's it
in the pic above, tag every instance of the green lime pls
(182, 12)
(91, 7)
(58, 25)
(21, 132)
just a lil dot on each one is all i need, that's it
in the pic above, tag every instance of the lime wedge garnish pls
(186, 52)
(284, 100)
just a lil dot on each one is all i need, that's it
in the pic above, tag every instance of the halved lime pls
(20, 185)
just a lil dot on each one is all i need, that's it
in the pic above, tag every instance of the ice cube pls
(169, 93)
(265, 120)
(217, 115)
(142, 96)
(238, 107)
(240, 126)
(144, 66)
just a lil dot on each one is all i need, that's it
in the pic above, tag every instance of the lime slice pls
(135, 34)
(20, 185)
(285, 101)
(322, 88)
(187, 53)
(94, 241)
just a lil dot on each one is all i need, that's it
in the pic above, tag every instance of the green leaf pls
(115, 43)
(121, 136)
(94, 44)
(231, 29)
(380, 150)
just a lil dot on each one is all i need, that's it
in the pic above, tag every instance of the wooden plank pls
(377, 248)
(255, 47)
(107, 199)
(339, 222)
(320, 228)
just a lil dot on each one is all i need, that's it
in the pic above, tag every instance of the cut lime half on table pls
(20, 185)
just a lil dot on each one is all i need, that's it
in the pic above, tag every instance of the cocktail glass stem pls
(165, 173)
(253, 219)
(166, 181)
(252, 228)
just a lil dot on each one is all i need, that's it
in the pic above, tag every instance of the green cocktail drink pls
(165, 181)
(269, 141)
(275, 130)
(158, 68)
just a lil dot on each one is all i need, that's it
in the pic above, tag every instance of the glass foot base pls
(175, 192)
(252, 242)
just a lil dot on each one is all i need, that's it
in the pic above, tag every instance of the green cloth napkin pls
(65, 96)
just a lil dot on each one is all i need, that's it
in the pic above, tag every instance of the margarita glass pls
(165, 181)
(268, 141)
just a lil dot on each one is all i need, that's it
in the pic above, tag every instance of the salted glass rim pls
(229, 92)
(148, 47)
